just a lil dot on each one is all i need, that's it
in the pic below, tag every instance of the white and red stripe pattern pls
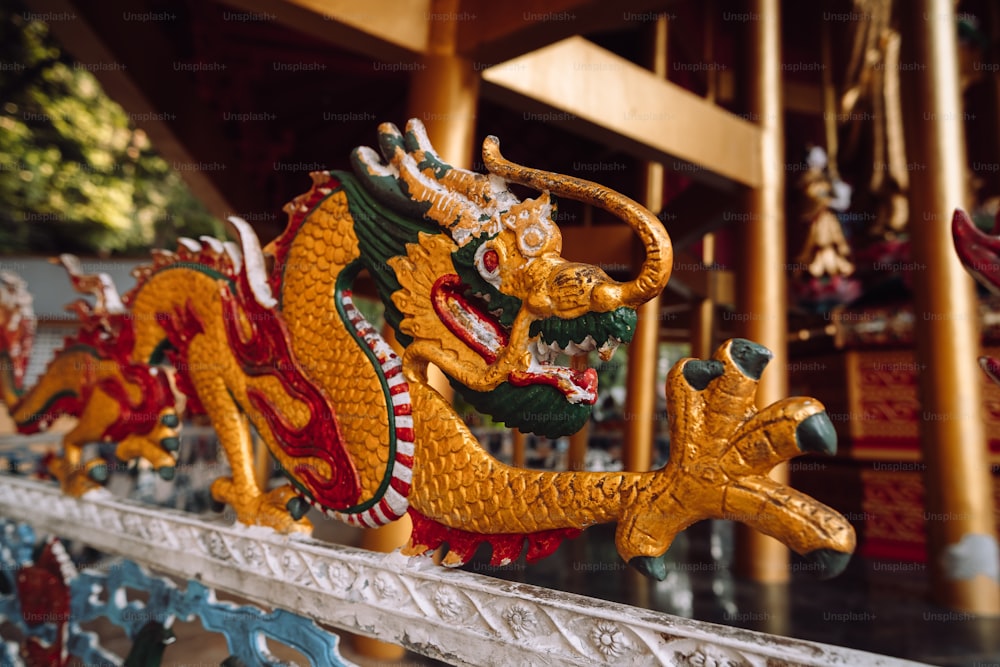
(393, 503)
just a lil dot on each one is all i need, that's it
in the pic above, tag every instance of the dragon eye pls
(491, 261)
(488, 264)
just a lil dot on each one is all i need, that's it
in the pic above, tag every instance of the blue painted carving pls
(244, 627)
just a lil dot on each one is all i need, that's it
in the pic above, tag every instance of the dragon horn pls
(469, 184)
(655, 269)
(422, 173)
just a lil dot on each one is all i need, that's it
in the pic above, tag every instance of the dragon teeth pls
(607, 350)
(549, 351)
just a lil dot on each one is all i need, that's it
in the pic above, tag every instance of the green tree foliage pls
(75, 175)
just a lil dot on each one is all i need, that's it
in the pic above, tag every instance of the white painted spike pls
(235, 256)
(112, 300)
(190, 244)
(213, 243)
(253, 260)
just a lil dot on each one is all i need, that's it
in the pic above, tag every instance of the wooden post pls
(961, 535)
(762, 294)
(518, 456)
(444, 92)
(576, 458)
(640, 402)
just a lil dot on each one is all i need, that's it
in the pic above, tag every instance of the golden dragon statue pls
(473, 281)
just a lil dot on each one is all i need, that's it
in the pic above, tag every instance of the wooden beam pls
(383, 30)
(497, 31)
(606, 97)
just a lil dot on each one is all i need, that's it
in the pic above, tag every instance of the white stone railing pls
(451, 615)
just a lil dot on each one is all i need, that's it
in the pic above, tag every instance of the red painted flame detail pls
(268, 352)
(447, 294)
(112, 337)
(296, 216)
(586, 380)
(506, 546)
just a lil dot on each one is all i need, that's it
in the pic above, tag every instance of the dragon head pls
(488, 297)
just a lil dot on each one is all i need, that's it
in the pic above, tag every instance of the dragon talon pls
(297, 507)
(654, 567)
(166, 472)
(829, 562)
(699, 372)
(170, 420)
(98, 472)
(751, 358)
(171, 444)
(816, 434)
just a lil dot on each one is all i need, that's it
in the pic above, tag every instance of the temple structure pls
(805, 158)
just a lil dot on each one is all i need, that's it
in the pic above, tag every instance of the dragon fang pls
(473, 281)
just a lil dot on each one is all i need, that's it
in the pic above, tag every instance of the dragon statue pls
(979, 253)
(473, 281)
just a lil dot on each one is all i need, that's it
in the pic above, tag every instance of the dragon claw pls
(816, 434)
(170, 420)
(722, 449)
(76, 479)
(275, 509)
(166, 472)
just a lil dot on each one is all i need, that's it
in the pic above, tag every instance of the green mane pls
(383, 233)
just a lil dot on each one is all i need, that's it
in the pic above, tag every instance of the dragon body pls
(473, 281)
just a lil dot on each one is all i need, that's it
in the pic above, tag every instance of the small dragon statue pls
(473, 281)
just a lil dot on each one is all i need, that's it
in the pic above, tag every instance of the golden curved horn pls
(655, 271)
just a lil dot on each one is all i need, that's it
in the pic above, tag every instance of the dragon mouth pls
(551, 338)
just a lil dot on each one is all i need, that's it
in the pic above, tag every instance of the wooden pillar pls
(640, 396)
(518, 456)
(444, 92)
(703, 310)
(961, 536)
(762, 296)
(576, 458)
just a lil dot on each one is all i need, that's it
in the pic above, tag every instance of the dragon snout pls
(574, 289)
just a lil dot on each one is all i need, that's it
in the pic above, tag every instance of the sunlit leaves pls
(74, 175)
